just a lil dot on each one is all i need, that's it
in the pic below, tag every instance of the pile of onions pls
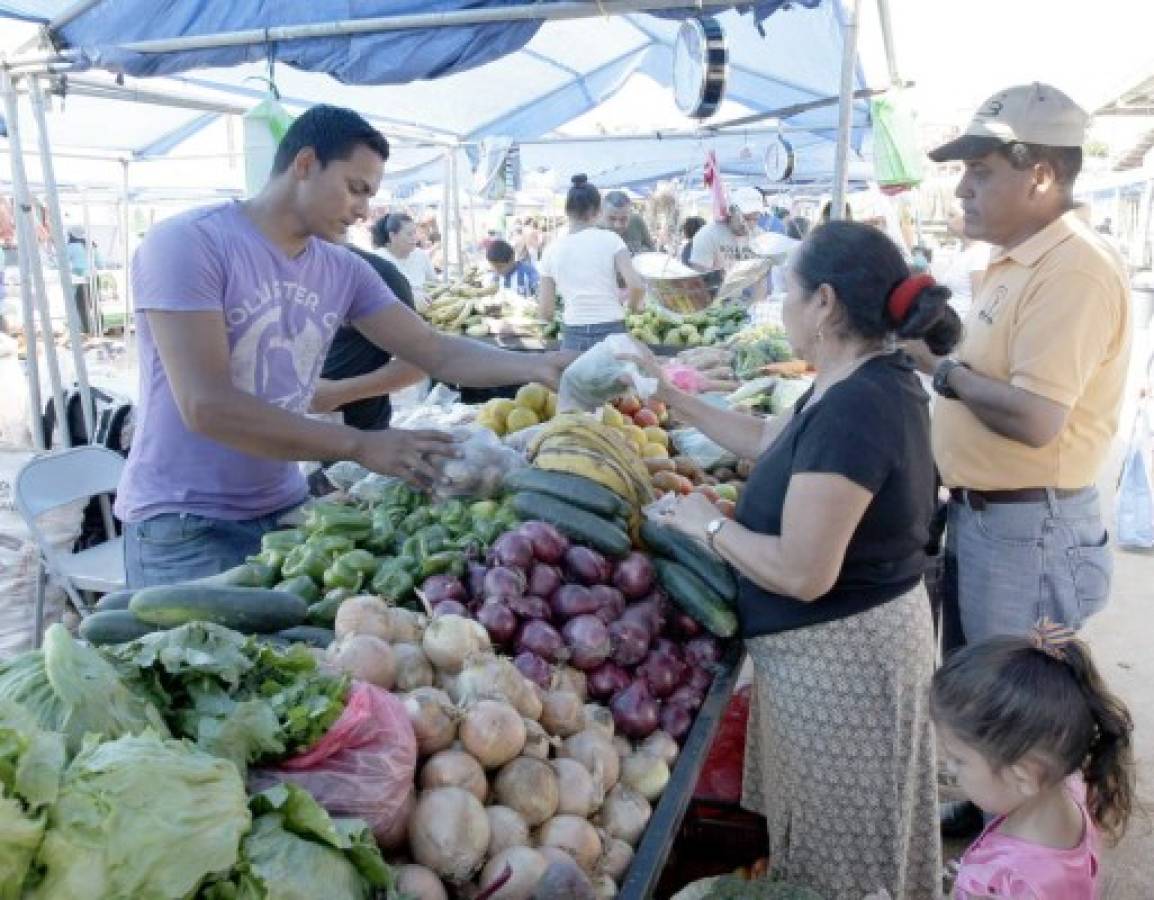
(624, 814)
(450, 640)
(364, 614)
(506, 829)
(578, 794)
(419, 883)
(575, 836)
(528, 786)
(512, 874)
(433, 717)
(365, 657)
(449, 833)
(596, 753)
(562, 713)
(455, 768)
(616, 858)
(494, 733)
(648, 775)
(413, 668)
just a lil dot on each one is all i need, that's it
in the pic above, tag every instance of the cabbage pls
(68, 687)
(141, 817)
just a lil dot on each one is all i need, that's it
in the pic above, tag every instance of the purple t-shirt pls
(280, 313)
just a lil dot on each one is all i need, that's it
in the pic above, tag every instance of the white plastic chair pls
(54, 480)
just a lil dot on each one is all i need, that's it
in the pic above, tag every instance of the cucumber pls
(576, 490)
(694, 555)
(308, 634)
(113, 626)
(248, 610)
(115, 600)
(579, 524)
(692, 595)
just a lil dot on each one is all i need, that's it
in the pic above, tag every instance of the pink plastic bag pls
(362, 767)
(684, 377)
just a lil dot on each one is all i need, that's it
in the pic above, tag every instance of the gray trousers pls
(1010, 564)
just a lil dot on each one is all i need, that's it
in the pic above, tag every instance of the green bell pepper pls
(305, 560)
(339, 575)
(411, 547)
(253, 574)
(431, 540)
(344, 520)
(447, 562)
(274, 559)
(484, 509)
(451, 513)
(382, 537)
(303, 586)
(392, 582)
(359, 560)
(324, 612)
(330, 544)
(418, 519)
(488, 530)
(283, 540)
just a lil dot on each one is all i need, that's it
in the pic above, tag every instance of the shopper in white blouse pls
(402, 251)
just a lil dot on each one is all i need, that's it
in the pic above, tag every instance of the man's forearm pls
(468, 362)
(1006, 410)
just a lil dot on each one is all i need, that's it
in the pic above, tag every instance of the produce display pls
(472, 308)
(713, 325)
(533, 404)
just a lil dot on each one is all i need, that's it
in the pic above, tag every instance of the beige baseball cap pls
(1026, 113)
(748, 200)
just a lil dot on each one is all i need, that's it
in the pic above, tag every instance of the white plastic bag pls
(481, 469)
(598, 376)
(1135, 500)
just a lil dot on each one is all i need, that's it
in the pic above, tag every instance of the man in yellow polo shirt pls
(1032, 397)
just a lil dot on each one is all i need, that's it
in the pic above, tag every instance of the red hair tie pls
(902, 297)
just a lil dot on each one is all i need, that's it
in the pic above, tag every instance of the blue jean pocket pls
(172, 529)
(1091, 566)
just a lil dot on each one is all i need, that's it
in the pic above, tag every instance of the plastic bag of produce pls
(701, 449)
(481, 468)
(598, 376)
(141, 817)
(345, 474)
(721, 776)
(363, 767)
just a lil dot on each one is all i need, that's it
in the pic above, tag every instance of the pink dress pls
(998, 865)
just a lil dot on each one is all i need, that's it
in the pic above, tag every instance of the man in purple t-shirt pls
(237, 305)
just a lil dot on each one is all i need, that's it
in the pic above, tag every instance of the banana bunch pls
(581, 445)
(450, 312)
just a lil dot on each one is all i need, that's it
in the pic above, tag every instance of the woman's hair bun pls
(580, 180)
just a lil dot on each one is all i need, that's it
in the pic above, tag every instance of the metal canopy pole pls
(126, 258)
(446, 188)
(888, 40)
(90, 257)
(845, 110)
(56, 228)
(456, 197)
(31, 351)
(30, 270)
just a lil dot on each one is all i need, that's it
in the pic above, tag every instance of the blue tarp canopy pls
(518, 80)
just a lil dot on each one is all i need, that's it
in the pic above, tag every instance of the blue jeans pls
(1017, 562)
(175, 547)
(583, 337)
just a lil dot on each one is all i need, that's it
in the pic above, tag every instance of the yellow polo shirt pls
(1053, 318)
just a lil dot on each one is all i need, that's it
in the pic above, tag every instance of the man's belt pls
(979, 500)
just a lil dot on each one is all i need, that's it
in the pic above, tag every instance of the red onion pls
(571, 600)
(634, 576)
(649, 613)
(675, 720)
(498, 620)
(513, 549)
(503, 582)
(702, 651)
(629, 641)
(588, 642)
(610, 602)
(688, 697)
(443, 587)
(661, 673)
(475, 580)
(699, 679)
(530, 607)
(635, 712)
(587, 566)
(534, 668)
(544, 580)
(672, 649)
(608, 679)
(549, 544)
(542, 638)
(684, 625)
(450, 608)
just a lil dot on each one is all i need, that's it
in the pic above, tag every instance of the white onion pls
(599, 717)
(596, 754)
(661, 745)
(575, 836)
(624, 814)
(566, 678)
(528, 786)
(527, 867)
(405, 626)
(449, 640)
(616, 857)
(434, 719)
(646, 774)
(363, 614)
(605, 887)
(537, 740)
(365, 657)
(455, 768)
(562, 713)
(489, 677)
(492, 732)
(622, 746)
(506, 829)
(449, 833)
(419, 883)
(413, 668)
(578, 794)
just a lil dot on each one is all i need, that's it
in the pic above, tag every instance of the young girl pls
(1038, 742)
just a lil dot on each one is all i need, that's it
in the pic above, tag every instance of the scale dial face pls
(699, 67)
(779, 159)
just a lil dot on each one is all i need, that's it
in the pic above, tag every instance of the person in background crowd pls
(358, 376)
(402, 251)
(531, 240)
(689, 229)
(720, 245)
(236, 306)
(829, 546)
(511, 274)
(618, 215)
(584, 266)
(1036, 740)
(1032, 397)
(78, 264)
(921, 258)
(797, 228)
(963, 273)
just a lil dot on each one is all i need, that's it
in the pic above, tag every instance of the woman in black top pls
(829, 544)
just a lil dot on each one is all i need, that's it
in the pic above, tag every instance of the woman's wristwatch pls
(942, 377)
(712, 529)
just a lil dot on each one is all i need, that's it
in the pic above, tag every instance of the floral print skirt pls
(840, 754)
